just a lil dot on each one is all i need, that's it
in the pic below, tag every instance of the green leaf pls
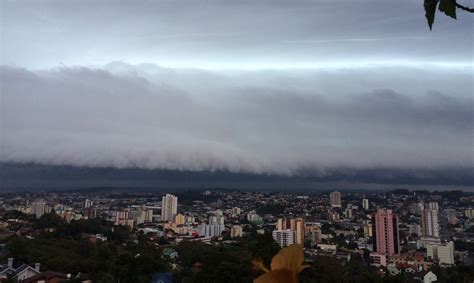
(448, 7)
(430, 10)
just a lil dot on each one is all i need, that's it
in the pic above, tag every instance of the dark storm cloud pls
(258, 86)
(254, 121)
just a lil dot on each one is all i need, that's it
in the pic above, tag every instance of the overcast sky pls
(244, 85)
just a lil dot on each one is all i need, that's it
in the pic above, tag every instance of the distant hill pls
(28, 176)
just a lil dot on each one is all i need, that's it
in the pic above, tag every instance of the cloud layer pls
(242, 121)
(220, 33)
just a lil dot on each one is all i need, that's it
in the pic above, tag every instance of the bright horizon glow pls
(323, 65)
(263, 66)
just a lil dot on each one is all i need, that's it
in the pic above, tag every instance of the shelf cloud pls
(265, 121)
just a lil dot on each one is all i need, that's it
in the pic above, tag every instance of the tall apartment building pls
(284, 237)
(88, 203)
(349, 211)
(294, 224)
(144, 215)
(300, 231)
(169, 207)
(216, 219)
(365, 204)
(385, 232)
(333, 216)
(215, 225)
(368, 230)
(210, 230)
(429, 221)
(38, 208)
(335, 199)
(122, 217)
(469, 213)
(432, 205)
(122, 214)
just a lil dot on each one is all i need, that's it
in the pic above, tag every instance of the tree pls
(15, 214)
(49, 220)
(448, 7)
(17, 247)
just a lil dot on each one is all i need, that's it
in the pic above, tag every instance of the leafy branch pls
(448, 7)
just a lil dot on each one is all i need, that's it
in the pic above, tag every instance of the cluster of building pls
(402, 232)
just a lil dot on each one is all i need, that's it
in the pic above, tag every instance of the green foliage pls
(68, 250)
(231, 263)
(325, 227)
(464, 246)
(470, 230)
(260, 246)
(217, 263)
(83, 226)
(49, 220)
(120, 234)
(328, 269)
(454, 274)
(15, 214)
(119, 259)
(16, 247)
(274, 209)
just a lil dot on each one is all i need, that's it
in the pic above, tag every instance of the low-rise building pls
(443, 253)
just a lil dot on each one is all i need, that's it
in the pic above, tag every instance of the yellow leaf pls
(258, 265)
(289, 258)
(278, 276)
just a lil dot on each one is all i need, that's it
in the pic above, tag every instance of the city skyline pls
(393, 238)
(236, 141)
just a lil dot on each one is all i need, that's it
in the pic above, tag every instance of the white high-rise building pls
(469, 213)
(144, 215)
(216, 219)
(122, 217)
(38, 208)
(432, 205)
(122, 214)
(444, 253)
(365, 204)
(335, 198)
(169, 207)
(429, 220)
(210, 230)
(88, 203)
(284, 237)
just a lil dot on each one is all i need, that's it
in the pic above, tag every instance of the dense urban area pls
(217, 235)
